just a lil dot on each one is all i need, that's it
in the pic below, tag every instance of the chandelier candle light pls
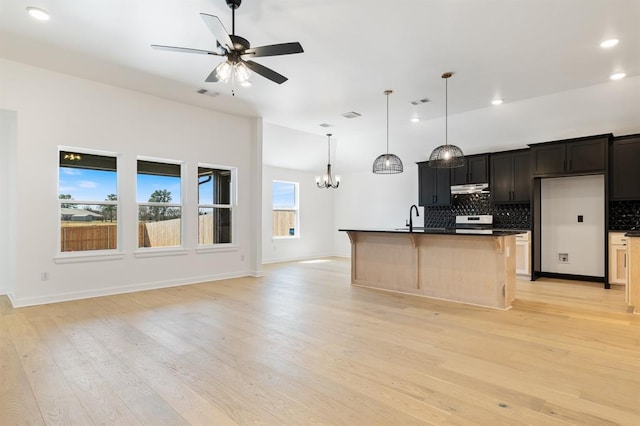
(387, 164)
(327, 179)
(446, 156)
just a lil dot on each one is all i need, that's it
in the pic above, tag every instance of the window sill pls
(93, 256)
(295, 237)
(159, 252)
(217, 248)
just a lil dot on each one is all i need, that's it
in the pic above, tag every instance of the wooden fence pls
(164, 233)
(283, 221)
(90, 237)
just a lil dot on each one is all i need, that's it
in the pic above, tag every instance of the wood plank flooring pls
(301, 346)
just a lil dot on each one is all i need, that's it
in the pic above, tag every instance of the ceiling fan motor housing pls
(239, 43)
(234, 4)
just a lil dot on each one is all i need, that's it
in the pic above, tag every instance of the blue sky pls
(283, 194)
(95, 185)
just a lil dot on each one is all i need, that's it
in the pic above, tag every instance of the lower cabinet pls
(523, 253)
(617, 258)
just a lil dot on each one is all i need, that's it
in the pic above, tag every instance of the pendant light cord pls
(446, 111)
(387, 93)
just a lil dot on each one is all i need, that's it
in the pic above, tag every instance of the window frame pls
(233, 206)
(162, 250)
(297, 233)
(89, 255)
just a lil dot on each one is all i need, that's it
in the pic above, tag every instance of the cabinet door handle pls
(625, 260)
(569, 165)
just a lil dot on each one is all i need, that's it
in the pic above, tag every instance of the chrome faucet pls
(411, 216)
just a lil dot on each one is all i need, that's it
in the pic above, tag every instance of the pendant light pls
(387, 164)
(446, 156)
(327, 179)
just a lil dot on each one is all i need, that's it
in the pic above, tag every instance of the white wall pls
(55, 109)
(7, 187)
(562, 200)
(316, 218)
(367, 201)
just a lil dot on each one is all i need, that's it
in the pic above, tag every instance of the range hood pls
(470, 188)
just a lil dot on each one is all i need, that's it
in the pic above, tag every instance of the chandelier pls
(327, 180)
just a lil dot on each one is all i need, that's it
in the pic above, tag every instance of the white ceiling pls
(354, 50)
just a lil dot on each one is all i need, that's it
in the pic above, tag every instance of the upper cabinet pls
(510, 177)
(475, 170)
(574, 156)
(434, 186)
(625, 168)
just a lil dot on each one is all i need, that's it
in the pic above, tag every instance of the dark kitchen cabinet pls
(625, 168)
(510, 180)
(475, 170)
(434, 186)
(576, 156)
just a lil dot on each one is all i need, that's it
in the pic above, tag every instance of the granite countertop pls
(441, 231)
(632, 234)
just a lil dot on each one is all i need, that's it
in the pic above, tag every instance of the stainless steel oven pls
(477, 224)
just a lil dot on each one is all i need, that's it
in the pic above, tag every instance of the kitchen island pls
(477, 269)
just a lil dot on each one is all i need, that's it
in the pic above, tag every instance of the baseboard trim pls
(296, 259)
(110, 291)
(571, 277)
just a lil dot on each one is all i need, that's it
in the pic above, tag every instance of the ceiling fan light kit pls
(238, 67)
(446, 156)
(387, 164)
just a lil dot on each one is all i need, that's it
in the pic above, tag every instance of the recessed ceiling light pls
(415, 119)
(609, 43)
(496, 102)
(617, 76)
(37, 13)
(245, 84)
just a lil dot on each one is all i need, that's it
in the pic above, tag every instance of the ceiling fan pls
(238, 52)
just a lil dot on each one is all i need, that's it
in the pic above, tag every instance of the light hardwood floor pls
(301, 346)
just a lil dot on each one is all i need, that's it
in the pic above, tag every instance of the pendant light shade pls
(446, 156)
(327, 180)
(387, 164)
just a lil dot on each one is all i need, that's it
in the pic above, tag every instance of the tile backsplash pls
(507, 216)
(624, 215)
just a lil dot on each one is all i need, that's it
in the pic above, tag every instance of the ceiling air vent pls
(208, 93)
(420, 101)
(351, 114)
(325, 125)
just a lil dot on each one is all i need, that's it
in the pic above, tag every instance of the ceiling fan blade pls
(274, 50)
(216, 27)
(213, 77)
(186, 50)
(266, 72)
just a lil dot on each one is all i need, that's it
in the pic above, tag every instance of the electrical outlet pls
(563, 257)
(44, 276)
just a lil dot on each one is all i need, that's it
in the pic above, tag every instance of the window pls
(285, 209)
(88, 198)
(159, 204)
(215, 200)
